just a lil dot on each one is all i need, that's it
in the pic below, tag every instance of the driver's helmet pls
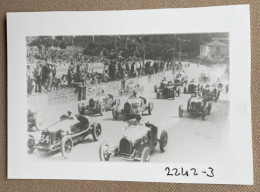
(138, 118)
(69, 112)
(207, 86)
(164, 79)
(192, 80)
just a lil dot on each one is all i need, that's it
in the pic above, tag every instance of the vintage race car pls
(130, 87)
(168, 90)
(193, 86)
(197, 106)
(210, 93)
(162, 84)
(134, 106)
(63, 134)
(180, 79)
(138, 142)
(203, 81)
(98, 104)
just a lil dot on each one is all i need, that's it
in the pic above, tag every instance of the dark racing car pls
(62, 134)
(210, 93)
(98, 104)
(134, 106)
(193, 86)
(168, 90)
(137, 144)
(197, 105)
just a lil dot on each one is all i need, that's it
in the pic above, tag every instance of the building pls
(214, 50)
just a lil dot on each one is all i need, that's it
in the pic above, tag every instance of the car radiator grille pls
(127, 108)
(125, 146)
(91, 103)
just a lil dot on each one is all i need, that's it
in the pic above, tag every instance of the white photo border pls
(232, 19)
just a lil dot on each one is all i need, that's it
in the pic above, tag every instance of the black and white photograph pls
(158, 98)
(157, 95)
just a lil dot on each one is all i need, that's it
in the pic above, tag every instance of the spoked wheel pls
(158, 95)
(81, 108)
(102, 109)
(66, 146)
(104, 154)
(204, 113)
(146, 154)
(181, 111)
(209, 108)
(30, 143)
(115, 113)
(150, 108)
(155, 88)
(163, 141)
(96, 131)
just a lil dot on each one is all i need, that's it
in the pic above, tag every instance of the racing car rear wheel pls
(115, 113)
(150, 108)
(81, 108)
(146, 154)
(66, 146)
(180, 110)
(163, 141)
(96, 131)
(179, 91)
(30, 143)
(104, 154)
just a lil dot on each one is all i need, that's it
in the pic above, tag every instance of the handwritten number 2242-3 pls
(192, 172)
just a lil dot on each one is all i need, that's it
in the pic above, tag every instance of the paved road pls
(190, 138)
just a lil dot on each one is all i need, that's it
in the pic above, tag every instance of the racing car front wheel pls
(104, 154)
(209, 108)
(96, 131)
(30, 143)
(102, 109)
(81, 108)
(115, 113)
(146, 154)
(155, 88)
(180, 110)
(150, 108)
(66, 146)
(163, 141)
(204, 113)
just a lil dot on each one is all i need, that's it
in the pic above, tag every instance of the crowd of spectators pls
(43, 65)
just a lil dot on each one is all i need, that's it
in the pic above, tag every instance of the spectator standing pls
(38, 78)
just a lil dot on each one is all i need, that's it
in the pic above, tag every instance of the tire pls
(102, 109)
(204, 113)
(115, 113)
(30, 143)
(158, 95)
(96, 131)
(181, 111)
(179, 92)
(81, 108)
(150, 108)
(103, 152)
(66, 146)
(146, 154)
(163, 141)
(209, 108)
(155, 88)
(185, 90)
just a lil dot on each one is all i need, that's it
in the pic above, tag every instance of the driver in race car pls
(70, 116)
